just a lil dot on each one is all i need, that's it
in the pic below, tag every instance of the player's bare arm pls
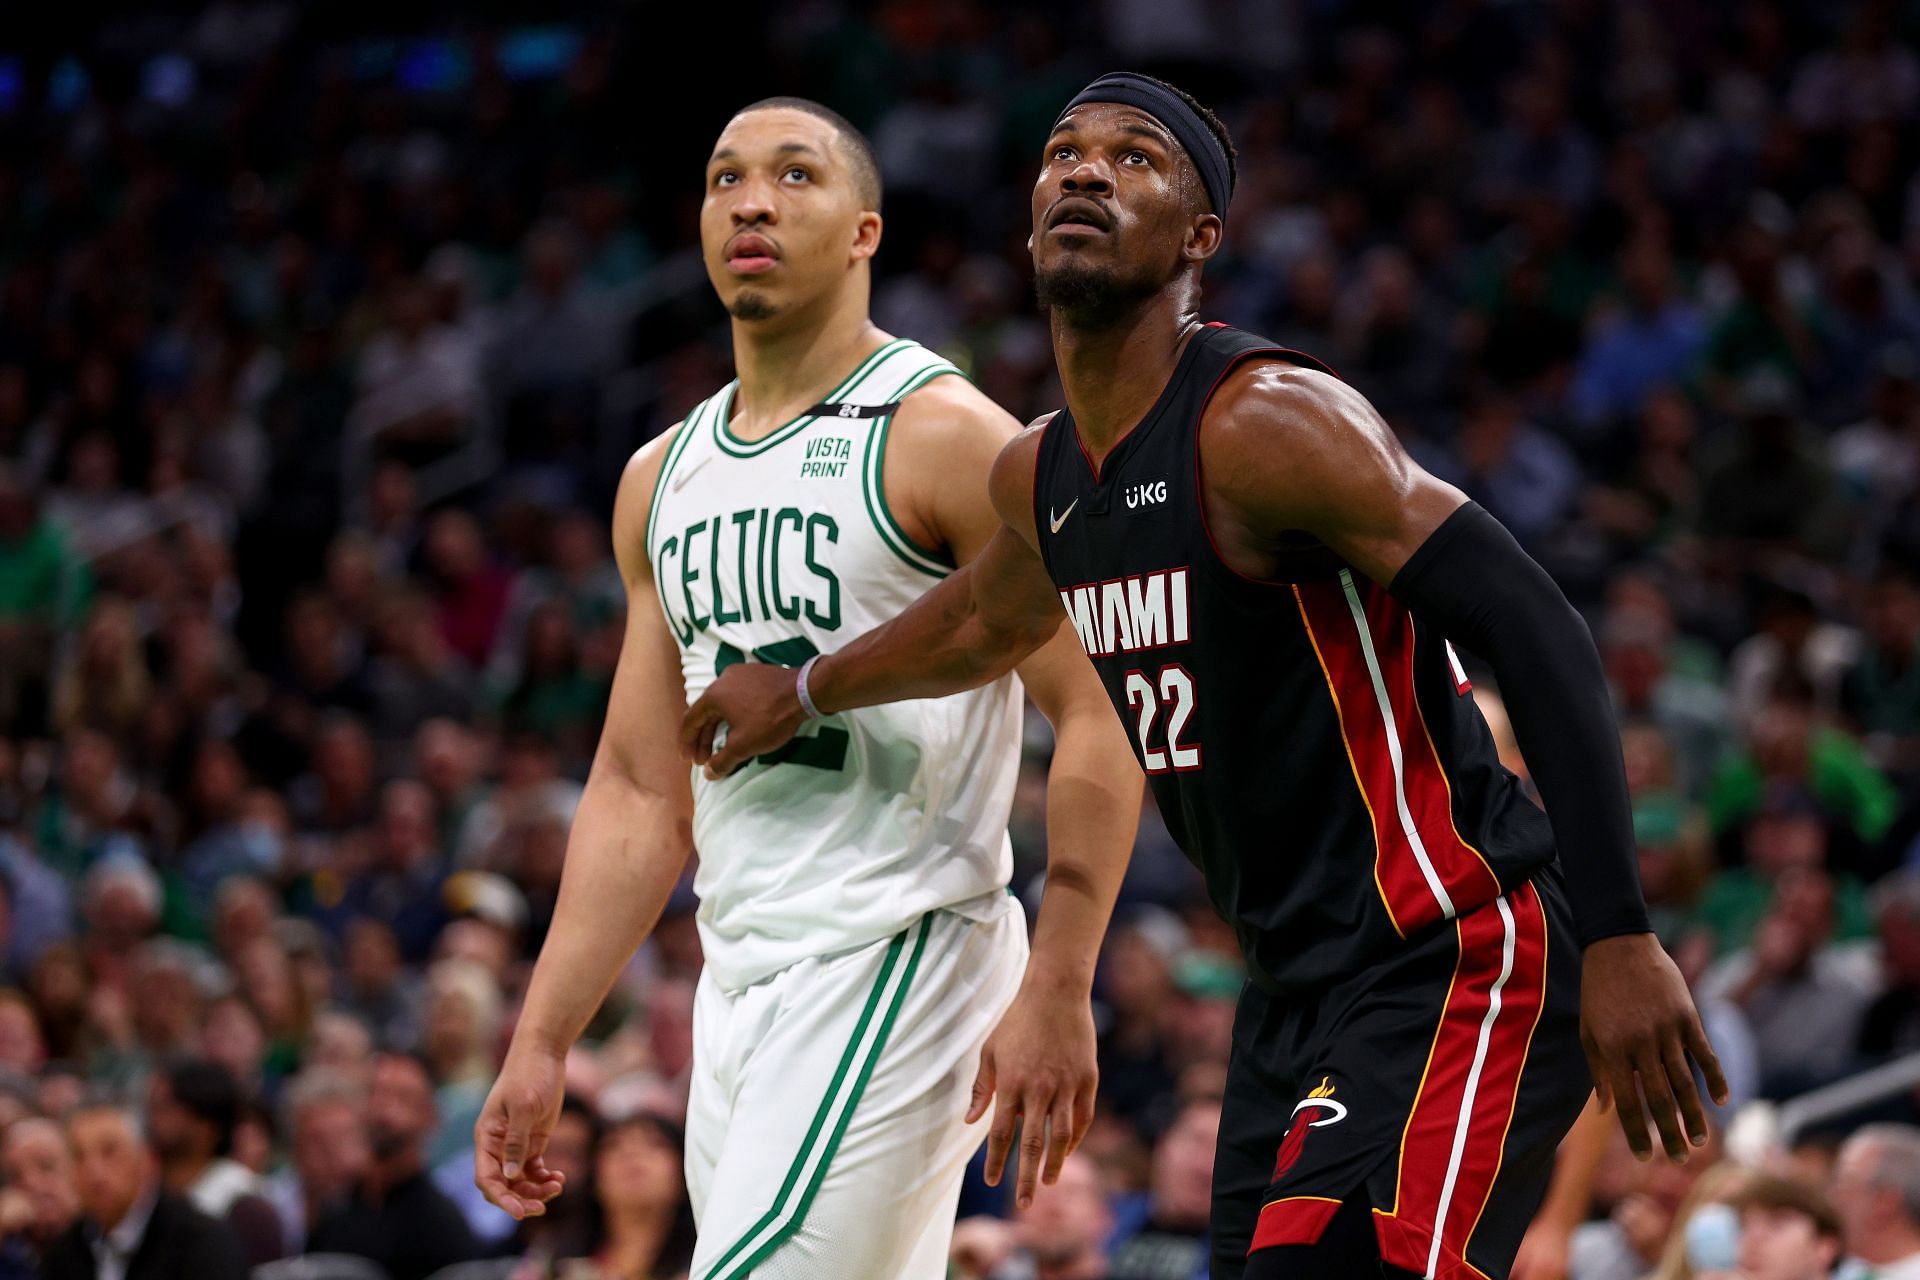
(1288, 451)
(630, 840)
(1039, 1066)
(1037, 1072)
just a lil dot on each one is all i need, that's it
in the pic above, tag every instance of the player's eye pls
(1140, 156)
(725, 178)
(797, 174)
(1063, 153)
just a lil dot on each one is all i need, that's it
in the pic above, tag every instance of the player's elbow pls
(1012, 639)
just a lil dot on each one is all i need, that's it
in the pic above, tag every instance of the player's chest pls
(749, 551)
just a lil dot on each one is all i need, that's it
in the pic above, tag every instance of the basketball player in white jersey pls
(860, 941)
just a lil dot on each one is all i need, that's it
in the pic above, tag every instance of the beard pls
(748, 305)
(1089, 297)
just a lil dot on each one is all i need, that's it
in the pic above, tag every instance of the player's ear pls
(1204, 237)
(866, 235)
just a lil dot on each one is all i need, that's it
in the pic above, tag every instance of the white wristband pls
(800, 688)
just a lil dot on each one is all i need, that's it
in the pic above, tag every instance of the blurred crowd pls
(324, 331)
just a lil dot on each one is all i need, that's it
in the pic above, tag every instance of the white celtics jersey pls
(772, 551)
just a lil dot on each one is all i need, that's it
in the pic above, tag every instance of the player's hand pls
(1643, 1038)
(1038, 1071)
(756, 702)
(510, 1137)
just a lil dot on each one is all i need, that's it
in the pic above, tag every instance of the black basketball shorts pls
(1435, 1088)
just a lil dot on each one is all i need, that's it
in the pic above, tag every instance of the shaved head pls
(858, 151)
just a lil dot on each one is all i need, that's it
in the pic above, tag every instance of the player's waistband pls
(1546, 880)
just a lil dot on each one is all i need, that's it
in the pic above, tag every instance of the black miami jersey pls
(1312, 745)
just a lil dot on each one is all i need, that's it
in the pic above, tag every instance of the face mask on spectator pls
(1713, 1238)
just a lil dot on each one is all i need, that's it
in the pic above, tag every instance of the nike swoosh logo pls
(680, 481)
(1058, 520)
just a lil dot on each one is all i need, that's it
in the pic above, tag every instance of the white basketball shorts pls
(825, 1131)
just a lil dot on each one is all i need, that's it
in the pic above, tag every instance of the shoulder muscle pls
(1012, 481)
(633, 504)
(1288, 449)
(940, 453)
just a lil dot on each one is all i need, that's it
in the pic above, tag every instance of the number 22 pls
(1177, 693)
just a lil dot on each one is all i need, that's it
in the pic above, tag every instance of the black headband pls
(1182, 121)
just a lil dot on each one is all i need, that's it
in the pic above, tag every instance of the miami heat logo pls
(1315, 1111)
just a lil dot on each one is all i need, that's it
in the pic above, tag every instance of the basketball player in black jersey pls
(1270, 590)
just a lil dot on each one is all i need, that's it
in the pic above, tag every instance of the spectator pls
(1639, 649)
(1788, 1231)
(1762, 343)
(379, 992)
(1674, 866)
(193, 1109)
(1523, 475)
(328, 1152)
(463, 1022)
(1313, 296)
(1390, 340)
(1787, 750)
(1062, 1235)
(1870, 77)
(338, 794)
(133, 1227)
(400, 886)
(40, 1201)
(121, 907)
(414, 675)
(1768, 491)
(1792, 641)
(1789, 834)
(1650, 341)
(419, 382)
(43, 587)
(394, 1214)
(449, 759)
(646, 1223)
(1162, 1235)
(553, 344)
(1876, 1184)
(226, 838)
(470, 592)
(1892, 1023)
(1136, 986)
(1704, 1240)
(100, 811)
(22, 1048)
(1803, 996)
(1538, 149)
(1629, 1241)
(1880, 692)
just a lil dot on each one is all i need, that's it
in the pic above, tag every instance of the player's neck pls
(1112, 375)
(787, 364)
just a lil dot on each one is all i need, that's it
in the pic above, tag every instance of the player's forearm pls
(1093, 813)
(1475, 582)
(946, 642)
(627, 849)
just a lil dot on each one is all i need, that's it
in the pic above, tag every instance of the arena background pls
(324, 332)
